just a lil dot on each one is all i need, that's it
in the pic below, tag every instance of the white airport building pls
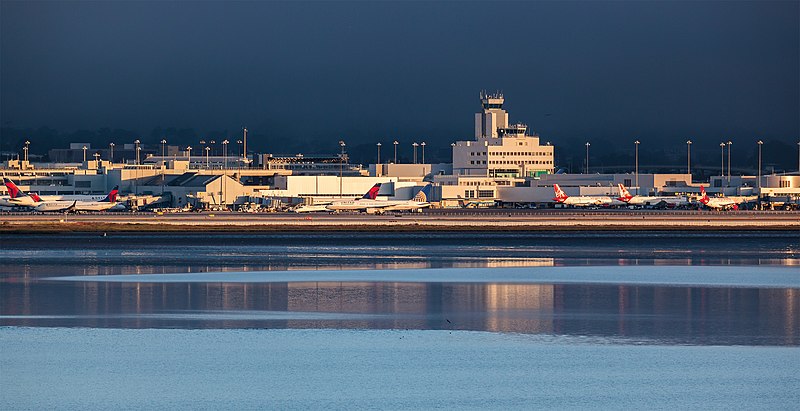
(500, 149)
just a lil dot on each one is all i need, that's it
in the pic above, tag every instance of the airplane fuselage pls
(586, 201)
(649, 201)
(384, 205)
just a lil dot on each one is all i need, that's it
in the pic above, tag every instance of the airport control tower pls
(492, 118)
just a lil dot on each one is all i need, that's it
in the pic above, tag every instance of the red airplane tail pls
(13, 190)
(624, 194)
(561, 196)
(112, 196)
(373, 192)
(704, 196)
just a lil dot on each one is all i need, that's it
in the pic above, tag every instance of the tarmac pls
(430, 220)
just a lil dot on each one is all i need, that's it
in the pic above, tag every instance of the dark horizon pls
(302, 76)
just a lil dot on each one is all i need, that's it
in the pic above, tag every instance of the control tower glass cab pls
(514, 130)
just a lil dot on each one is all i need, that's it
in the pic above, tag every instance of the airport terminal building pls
(503, 165)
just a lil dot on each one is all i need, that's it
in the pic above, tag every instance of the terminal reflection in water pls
(696, 315)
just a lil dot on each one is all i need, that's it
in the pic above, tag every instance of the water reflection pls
(694, 315)
(649, 313)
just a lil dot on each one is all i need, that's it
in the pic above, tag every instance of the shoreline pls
(60, 228)
(433, 222)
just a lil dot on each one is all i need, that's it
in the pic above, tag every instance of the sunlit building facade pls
(501, 149)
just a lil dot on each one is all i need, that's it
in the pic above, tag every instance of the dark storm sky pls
(660, 72)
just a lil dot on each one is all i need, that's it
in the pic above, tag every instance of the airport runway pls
(438, 220)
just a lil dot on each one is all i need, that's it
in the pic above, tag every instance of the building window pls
(627, 182)
(83, 184)
(469, 193)
(485, 193)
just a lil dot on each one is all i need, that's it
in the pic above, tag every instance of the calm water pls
(645, 313)
(731, 341)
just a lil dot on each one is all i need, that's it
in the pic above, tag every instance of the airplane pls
(720, 203)
(637, 200)
(340, 205)
(15, 197)
(582, 201)
(369, 204)
(476, 204)
(306, 208)
(77, 205)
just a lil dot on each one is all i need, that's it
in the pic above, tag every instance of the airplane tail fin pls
(373, 192)
(560, 194)
(35, 197)
(13, 190)
(423, 195)
(703, 195)
(624, 194)
(112, 196)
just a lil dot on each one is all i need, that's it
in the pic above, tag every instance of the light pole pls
(84, 154)
(798, 156)
(729, 161)
(722, 150)
(189, 152)
(244, 147)
(27, 144)
(379, 153)
(96, 156)
(587, 157)
(224, 169)
(395, 151)
(163, 148)
(225, 154)
(207, 163)
(760, 143)
(111, 152)
(341, 167)
(415, 151)
(423, 152)
(689, 157)
(136, 148)
(239, 162)
(636, 169)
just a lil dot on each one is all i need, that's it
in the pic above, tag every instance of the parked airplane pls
(582, 201)
(476, 203)
(637, 200)
(15, 197)
(369, 204)
(313, 208)
(340, 204)
(77, 205)
(73, 197)
(720, 203)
